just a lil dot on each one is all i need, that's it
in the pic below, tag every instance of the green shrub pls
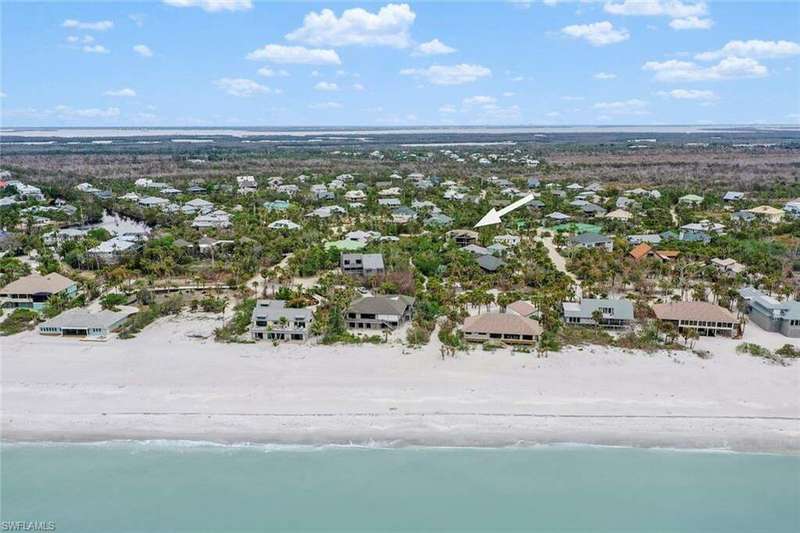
(757, 350)
(239, 324)
(490, 346)
(788, 351)
(418, 335)
(19, 320)
(112, 300)
(212, 305)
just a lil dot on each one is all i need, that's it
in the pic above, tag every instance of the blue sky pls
(243, 62)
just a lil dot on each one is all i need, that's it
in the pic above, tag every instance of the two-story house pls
(380, 312)
(362, 264)
(272, 320)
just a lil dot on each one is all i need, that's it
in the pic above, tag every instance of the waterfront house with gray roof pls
(616, 313)
(33, 291)
(272, 320)
(770, 314)
(82, 323)
(380, 312)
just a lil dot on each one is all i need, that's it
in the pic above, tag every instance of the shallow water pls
(160, 486)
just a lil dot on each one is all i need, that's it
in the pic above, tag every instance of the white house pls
(215, 219)
(284, 223)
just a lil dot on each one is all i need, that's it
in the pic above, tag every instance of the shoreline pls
(268, 447)
(737, 437)
(166, 384)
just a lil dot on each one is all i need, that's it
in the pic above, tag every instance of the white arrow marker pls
(493, 216)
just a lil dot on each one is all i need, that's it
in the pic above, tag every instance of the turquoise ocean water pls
(191, 487)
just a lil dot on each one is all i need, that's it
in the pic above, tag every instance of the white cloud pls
(449, 74)
(691, 23)
(447, 108)
(728, 69)
(572, 98)
(753, 48)
(3, 94)
(597, 34)
(241, 87)
(605, 76)
(70, 112)
(479, 100)
(432, 48)
(388, 27)
(137, 19)
(143, 50)
(100, 25)
(213, 6)
(633, 106)
(325, 105)
(125, 92)
(270, 73)
(326, 86)
(653, 8)
(278, 53)
(509, 94)
(74, 39)
(95, 49)
(690, 94)
(358, 87)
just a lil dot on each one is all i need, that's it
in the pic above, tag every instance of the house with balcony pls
(380, 312)
(509, 328)
(362, 264)
(705, 318)
(612, 313)
(272, 320)
(771, 314)
(33, 291)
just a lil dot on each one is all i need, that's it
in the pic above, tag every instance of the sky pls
(547, 62)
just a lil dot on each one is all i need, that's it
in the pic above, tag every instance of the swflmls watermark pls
(27, 525)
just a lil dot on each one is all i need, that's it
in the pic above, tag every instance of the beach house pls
(705, 318)
(380, 312)
(272, 320)
(770, 314)
(33, 291)
(609, 312)
(82, 323)
(509, 328)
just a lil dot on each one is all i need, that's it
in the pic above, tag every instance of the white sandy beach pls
(166, 384)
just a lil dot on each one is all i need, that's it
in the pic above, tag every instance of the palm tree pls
(597, 317)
